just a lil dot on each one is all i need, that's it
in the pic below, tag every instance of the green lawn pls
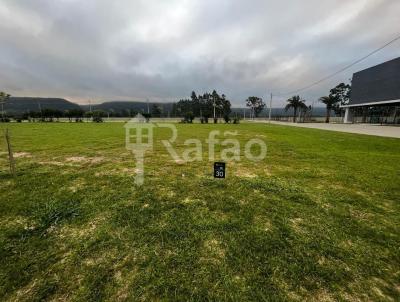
(318, 219)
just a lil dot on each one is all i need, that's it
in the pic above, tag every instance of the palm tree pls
(330, 103)
(296, 103)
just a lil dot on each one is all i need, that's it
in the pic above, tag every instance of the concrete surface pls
(368, 129)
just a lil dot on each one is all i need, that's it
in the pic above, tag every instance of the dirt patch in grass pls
(131, 170)
(81, 231)
(118, 171)
(14, 222)
(84, 159)
(188, 200)
(77, 159)
(219, 216)
(166, 192)
(262, 223)
(213, 251)
(123, 278)
(360, 215)
(323, 296)
(243, 171)
(296, 224)
(77, 185)
(22, 154)
(245, 174)
(53, 163)
(268, 171)
(25, 292)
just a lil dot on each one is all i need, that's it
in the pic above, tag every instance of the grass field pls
(318, 219)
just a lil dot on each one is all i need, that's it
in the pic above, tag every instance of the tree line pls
(338, 96)
(204, 106)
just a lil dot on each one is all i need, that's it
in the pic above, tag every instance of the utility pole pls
(90, 106)
(40, 109)
(299, 120)
(148, 108)
(270, 108)
(312, 111)
(214, 106)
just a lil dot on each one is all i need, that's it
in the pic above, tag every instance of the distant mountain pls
(18, 105)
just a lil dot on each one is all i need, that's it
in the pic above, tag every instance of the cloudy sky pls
(162, 50)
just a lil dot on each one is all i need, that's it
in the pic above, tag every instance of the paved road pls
(368, 129)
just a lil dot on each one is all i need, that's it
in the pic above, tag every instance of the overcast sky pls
(162, 50)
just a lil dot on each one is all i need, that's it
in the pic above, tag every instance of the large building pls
(375, 94)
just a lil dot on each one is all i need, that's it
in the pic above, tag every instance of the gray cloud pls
(162, 50)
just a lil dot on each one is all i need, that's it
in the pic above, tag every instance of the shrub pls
(227, 119)
(189, 117)
(97, 119)
(147, 116)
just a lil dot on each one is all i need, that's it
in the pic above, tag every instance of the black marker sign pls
(219, 170)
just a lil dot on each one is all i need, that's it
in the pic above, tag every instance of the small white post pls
(348, 116)
(270, 108)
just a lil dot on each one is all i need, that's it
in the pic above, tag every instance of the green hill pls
(24, 104)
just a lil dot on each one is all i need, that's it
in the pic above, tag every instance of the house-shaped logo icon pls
(138, 133)
(139, 139)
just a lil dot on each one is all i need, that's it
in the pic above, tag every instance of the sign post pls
(219, 170)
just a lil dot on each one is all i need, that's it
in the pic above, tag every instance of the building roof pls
(376, 85)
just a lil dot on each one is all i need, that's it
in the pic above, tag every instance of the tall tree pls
(98, 116)
(156, 111)
(4, 97)
(193, 96)
(217, 104)
(330, 102)
(206, 105)
(76, 113)
(342, 93)
(203, 105)
(256, 104)
(226, 106)
(295, 103)
(195, 104)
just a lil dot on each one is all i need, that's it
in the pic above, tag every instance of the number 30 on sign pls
(219, 170)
